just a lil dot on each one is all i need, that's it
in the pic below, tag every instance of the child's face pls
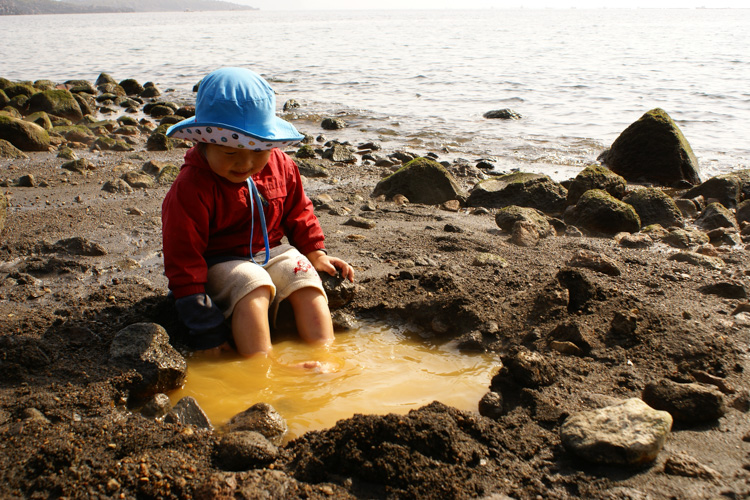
(235, 165)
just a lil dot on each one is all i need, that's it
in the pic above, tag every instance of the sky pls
(484, 4)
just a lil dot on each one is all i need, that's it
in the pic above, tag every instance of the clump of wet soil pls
(66, 429)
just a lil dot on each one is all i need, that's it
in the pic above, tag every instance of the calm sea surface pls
(423, 79)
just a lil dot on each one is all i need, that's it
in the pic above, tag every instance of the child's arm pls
(321, 261)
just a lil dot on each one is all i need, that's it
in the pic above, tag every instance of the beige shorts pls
(286, 272)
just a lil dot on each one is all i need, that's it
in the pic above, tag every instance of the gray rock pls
(725, 189)
(332, 124)
(521, 189)
(24, 135)
(697, 259)
(187, 411)
(596, 177)
(682, 238)
(595, 261)
(262, 418)
(598, 212)
(502, 114)
(79, 165)
(491, 405)
(138, 179)
(684, 465)
(421, 181)
(156, 407)
(245, 450)
(531, 369)
(340, 291)
(506, 218)
(653, 206)
(340, 153)
(628, 240)
(117, 186)
(687, 208)
(310, 169)
(714, 216)
(360, 222)
(690, 403)
(145, 348)
(653, 149)
(743, 212)
(524, 234)
(630, 433)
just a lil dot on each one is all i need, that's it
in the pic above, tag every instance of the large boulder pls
(726, 189)
(654, 206)
(596, 177)
(24, 135)
(422, 180)
(521, 189)
(599, 212)
(653, 149)
(145, 348)
(56, 102)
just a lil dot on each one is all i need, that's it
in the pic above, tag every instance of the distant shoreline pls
(47, 7)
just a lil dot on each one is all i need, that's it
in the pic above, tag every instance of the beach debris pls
(262, 418)
(421, 180)
(598, 212)
(187, 411)
(521, 189)
(653, 149)
(145, 348)
(690, 403)
(502, 114)
(629, 433)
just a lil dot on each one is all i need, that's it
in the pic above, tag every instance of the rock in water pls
(145, 348)
(653, 149)
(630, 433)
(422, 181)
(188, 412)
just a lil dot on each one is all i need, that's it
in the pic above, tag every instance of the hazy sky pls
(482, 4)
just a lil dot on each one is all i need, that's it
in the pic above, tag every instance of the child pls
(235, 191)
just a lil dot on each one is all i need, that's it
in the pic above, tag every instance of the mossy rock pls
(596, 177)
(8, 150)
(598, 212)
(685, 238)
(138, 179)
(726, 189)
(507, 217)
(158, 141)
(131, 86)
(75, 133)
(167, 175)
(56, 102)
(81, 87)
(654, 206)
(86, 102)
(42, 119)
(44, 84)
(421, 180)
(521, 189)
(24, 135)
(4, 99)
(16, 89)
(5, 83)
(653, 149)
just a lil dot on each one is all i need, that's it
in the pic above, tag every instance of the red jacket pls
(206, 216)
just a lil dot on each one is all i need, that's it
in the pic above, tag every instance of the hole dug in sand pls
(375, 369)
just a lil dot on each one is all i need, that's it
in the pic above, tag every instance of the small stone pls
(188, 412)
(491, 405)
(245, 450)
(361, 223)
(531, 369)
(262, 418)
(595, 261)
(158, 406)
(684, 465)
(690, 403)
(489, 259)
(630, 433)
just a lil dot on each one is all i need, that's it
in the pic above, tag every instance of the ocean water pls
(421, 80)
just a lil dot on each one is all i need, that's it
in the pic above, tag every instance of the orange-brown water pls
(376, 369)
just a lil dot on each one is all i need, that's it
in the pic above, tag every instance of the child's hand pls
(324, 262)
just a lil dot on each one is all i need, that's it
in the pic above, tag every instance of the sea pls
(421, 81)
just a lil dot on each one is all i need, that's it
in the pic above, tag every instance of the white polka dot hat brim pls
(217, 133)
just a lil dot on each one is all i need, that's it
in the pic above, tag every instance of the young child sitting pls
(236, 196)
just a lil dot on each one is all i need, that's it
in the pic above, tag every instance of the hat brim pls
(283, 134)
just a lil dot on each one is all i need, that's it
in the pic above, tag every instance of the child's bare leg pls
(250, 327)
(312, 315)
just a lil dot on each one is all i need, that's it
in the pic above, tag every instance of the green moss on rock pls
(596, 177)
(421, 180)
(598, 212)
(58, 102)
(24, 135)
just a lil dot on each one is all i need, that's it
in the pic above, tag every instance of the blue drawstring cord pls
(255, 199)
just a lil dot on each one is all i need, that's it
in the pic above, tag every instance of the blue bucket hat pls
(236, 107)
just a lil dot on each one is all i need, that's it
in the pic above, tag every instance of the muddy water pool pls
(375, 369)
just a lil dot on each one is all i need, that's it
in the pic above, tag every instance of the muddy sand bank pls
(66, 429)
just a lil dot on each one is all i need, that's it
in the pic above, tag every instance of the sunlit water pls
(423, 79)
(376, 369)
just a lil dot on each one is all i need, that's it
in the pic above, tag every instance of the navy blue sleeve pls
(204, 321)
